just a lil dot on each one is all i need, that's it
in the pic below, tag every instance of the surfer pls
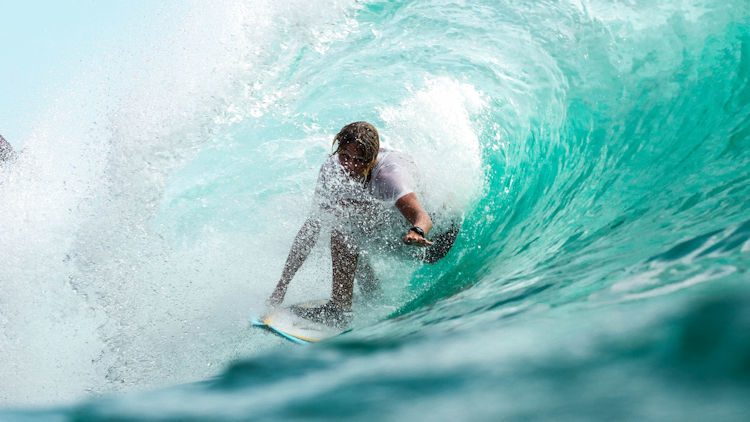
(357, 186)
(6, 151)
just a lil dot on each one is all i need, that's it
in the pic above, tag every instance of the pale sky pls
(43, 42)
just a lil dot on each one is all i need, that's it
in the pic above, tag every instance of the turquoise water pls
(598, 154)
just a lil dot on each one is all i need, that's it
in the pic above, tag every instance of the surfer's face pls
(353, 160)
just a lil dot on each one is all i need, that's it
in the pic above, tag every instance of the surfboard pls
(284, 322)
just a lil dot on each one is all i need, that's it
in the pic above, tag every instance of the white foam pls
(435, 126)
(92, 299)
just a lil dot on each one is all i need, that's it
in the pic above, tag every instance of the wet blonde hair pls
(365, 136)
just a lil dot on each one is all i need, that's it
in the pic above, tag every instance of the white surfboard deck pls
(289, 325)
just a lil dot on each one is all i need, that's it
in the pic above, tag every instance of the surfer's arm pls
(303, 244)
(413, 211)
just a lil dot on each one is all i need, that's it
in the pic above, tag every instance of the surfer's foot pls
(329, 314)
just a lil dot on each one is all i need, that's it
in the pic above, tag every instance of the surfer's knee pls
(342, 241)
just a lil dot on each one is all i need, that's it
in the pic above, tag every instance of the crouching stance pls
(358, 184)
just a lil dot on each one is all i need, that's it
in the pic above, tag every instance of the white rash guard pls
(393, 176)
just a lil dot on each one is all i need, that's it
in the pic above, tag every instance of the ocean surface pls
(597, 152)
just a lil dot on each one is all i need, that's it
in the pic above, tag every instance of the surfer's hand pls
(413, 238)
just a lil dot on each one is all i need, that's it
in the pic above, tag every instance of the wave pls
(597, 153)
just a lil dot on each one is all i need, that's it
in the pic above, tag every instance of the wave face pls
(598, 154)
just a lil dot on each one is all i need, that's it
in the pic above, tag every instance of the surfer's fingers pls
(422, 241)
(412, 238)
(419, 241)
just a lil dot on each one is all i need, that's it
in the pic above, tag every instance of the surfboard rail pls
(287, 324)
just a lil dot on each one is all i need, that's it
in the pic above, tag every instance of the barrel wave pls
(597, 154)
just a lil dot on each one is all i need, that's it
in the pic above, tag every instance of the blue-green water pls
(598, 153)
